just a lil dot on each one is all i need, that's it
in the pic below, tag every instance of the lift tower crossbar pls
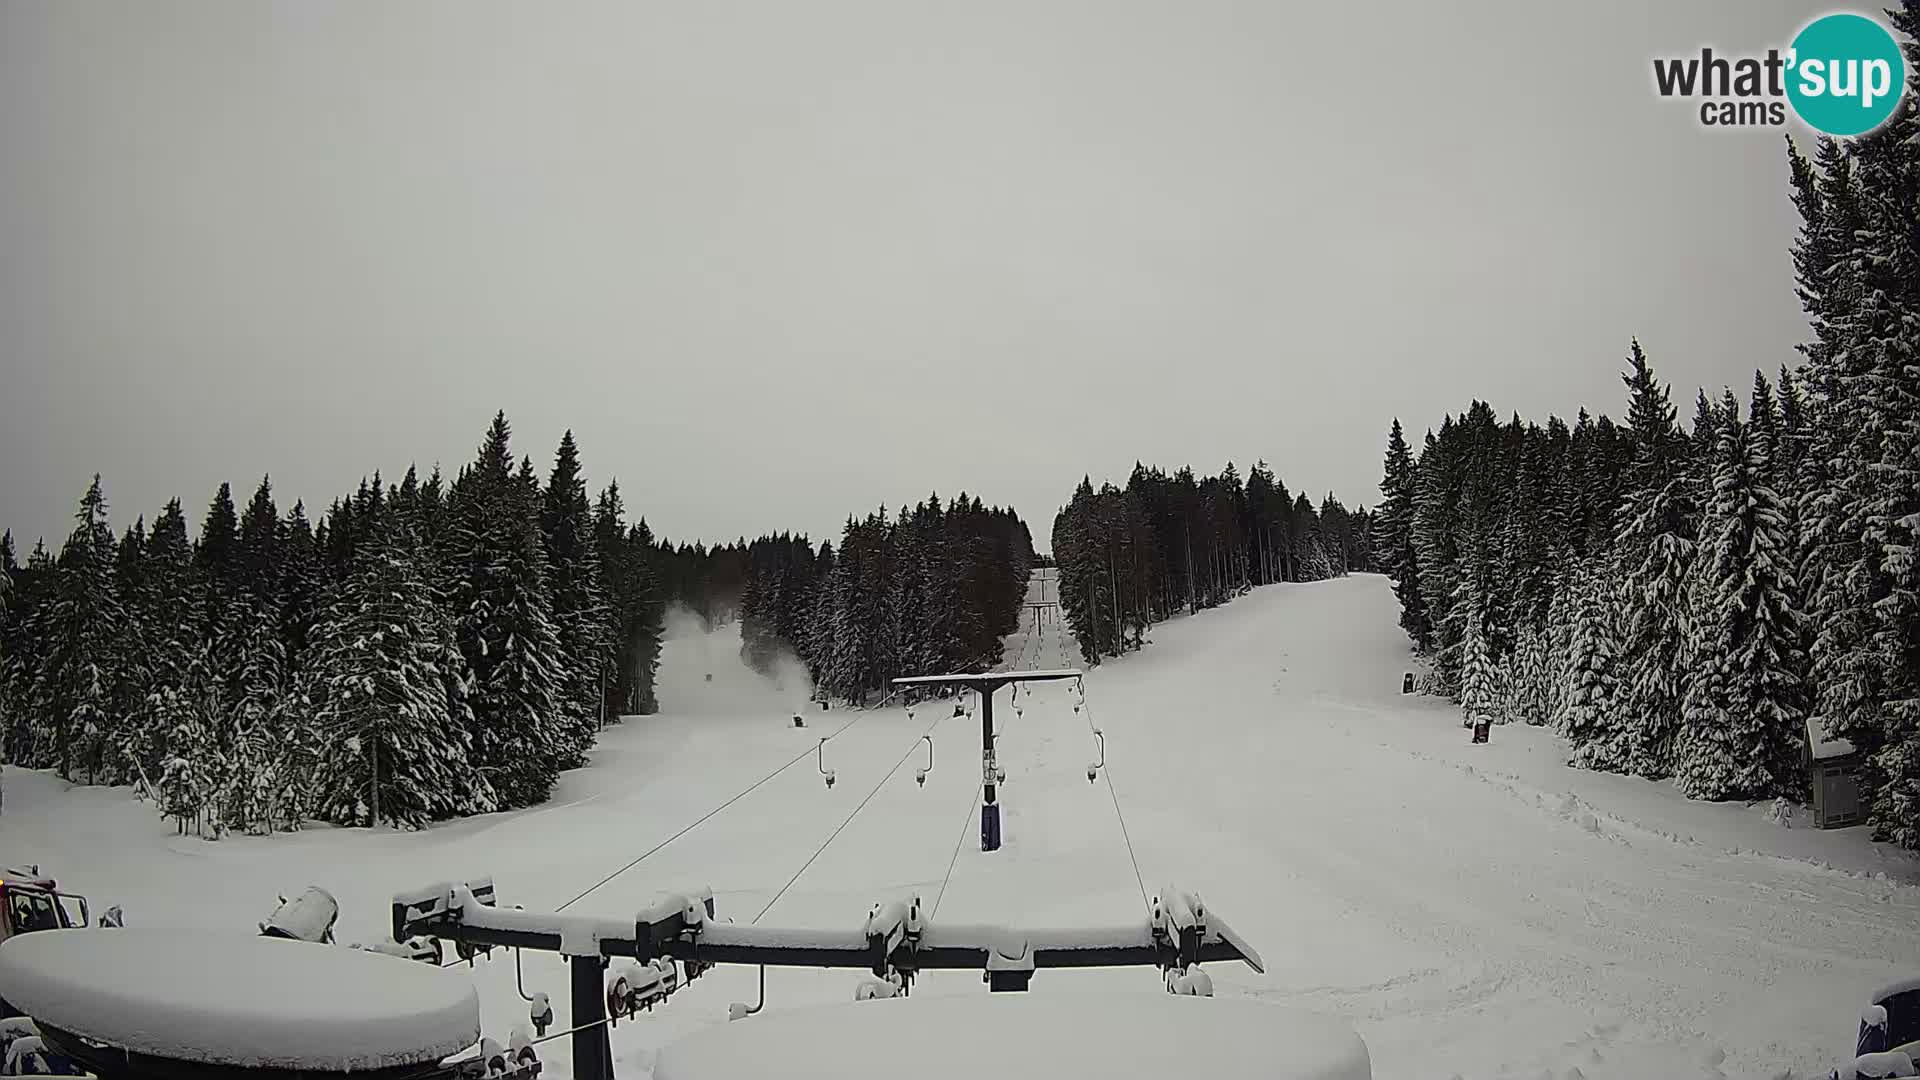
(986, 684)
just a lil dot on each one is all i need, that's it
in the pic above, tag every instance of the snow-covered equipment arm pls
(1179, 932)
(894, 942)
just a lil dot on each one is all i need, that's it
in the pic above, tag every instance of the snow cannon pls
(307, 917)
(798, 721)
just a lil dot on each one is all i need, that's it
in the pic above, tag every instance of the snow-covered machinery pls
(1888, 1043)
(674, 939)
(170, 1004)
(311, 915)
(30, 901)
(308, 916)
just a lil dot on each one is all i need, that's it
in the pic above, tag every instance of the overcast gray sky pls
(777, 262)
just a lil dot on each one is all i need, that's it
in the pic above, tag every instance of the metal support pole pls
(592, 1052)
(989, 803)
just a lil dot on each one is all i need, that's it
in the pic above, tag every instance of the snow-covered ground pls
(1474, 911)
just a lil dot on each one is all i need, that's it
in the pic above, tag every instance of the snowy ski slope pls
(1472, 911)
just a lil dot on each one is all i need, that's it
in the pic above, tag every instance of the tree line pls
(429, 649)
(1690, 601)
(930, 590)
(1135, 556)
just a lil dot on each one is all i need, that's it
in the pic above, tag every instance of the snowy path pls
(1474, 911)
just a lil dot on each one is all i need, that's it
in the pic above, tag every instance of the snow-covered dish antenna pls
(163, 1001)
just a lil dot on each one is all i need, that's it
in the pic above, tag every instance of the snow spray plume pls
(702, 671)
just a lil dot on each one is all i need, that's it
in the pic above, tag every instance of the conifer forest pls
(1700, 601)
(437, 647)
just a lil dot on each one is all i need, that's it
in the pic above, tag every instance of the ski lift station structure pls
(986, 684)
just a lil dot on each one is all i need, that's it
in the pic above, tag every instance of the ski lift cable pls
(966, 829)
(797, 758)
(915, 745)
(1107, 768)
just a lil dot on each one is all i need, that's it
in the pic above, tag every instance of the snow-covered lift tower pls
(986, 684)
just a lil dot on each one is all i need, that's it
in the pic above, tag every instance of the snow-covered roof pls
(235, 999)
(1058, 1036)
(1823, 747)
(1892, 988)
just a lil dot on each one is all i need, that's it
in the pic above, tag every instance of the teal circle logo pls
(1846, 74)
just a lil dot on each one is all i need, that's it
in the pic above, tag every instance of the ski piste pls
(882, 1024)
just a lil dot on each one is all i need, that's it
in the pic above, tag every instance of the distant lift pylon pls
(986, 684)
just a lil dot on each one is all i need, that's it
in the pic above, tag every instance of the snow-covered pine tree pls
(1856, 263)
(1591, 721)
(29, 637)
(1310, 547)
(1479, 680)
(393, 743)
(86, 623)
(255, 686)
(1656, 550)
(189, 762)
(845, 663)
(1842, 447)
(1082, 594)
(1532, 694)
(1743, 729)
(1886, 328)
(1557, 639)
(636, 605)
(581, 614)
(217, 549)
(505, 627)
